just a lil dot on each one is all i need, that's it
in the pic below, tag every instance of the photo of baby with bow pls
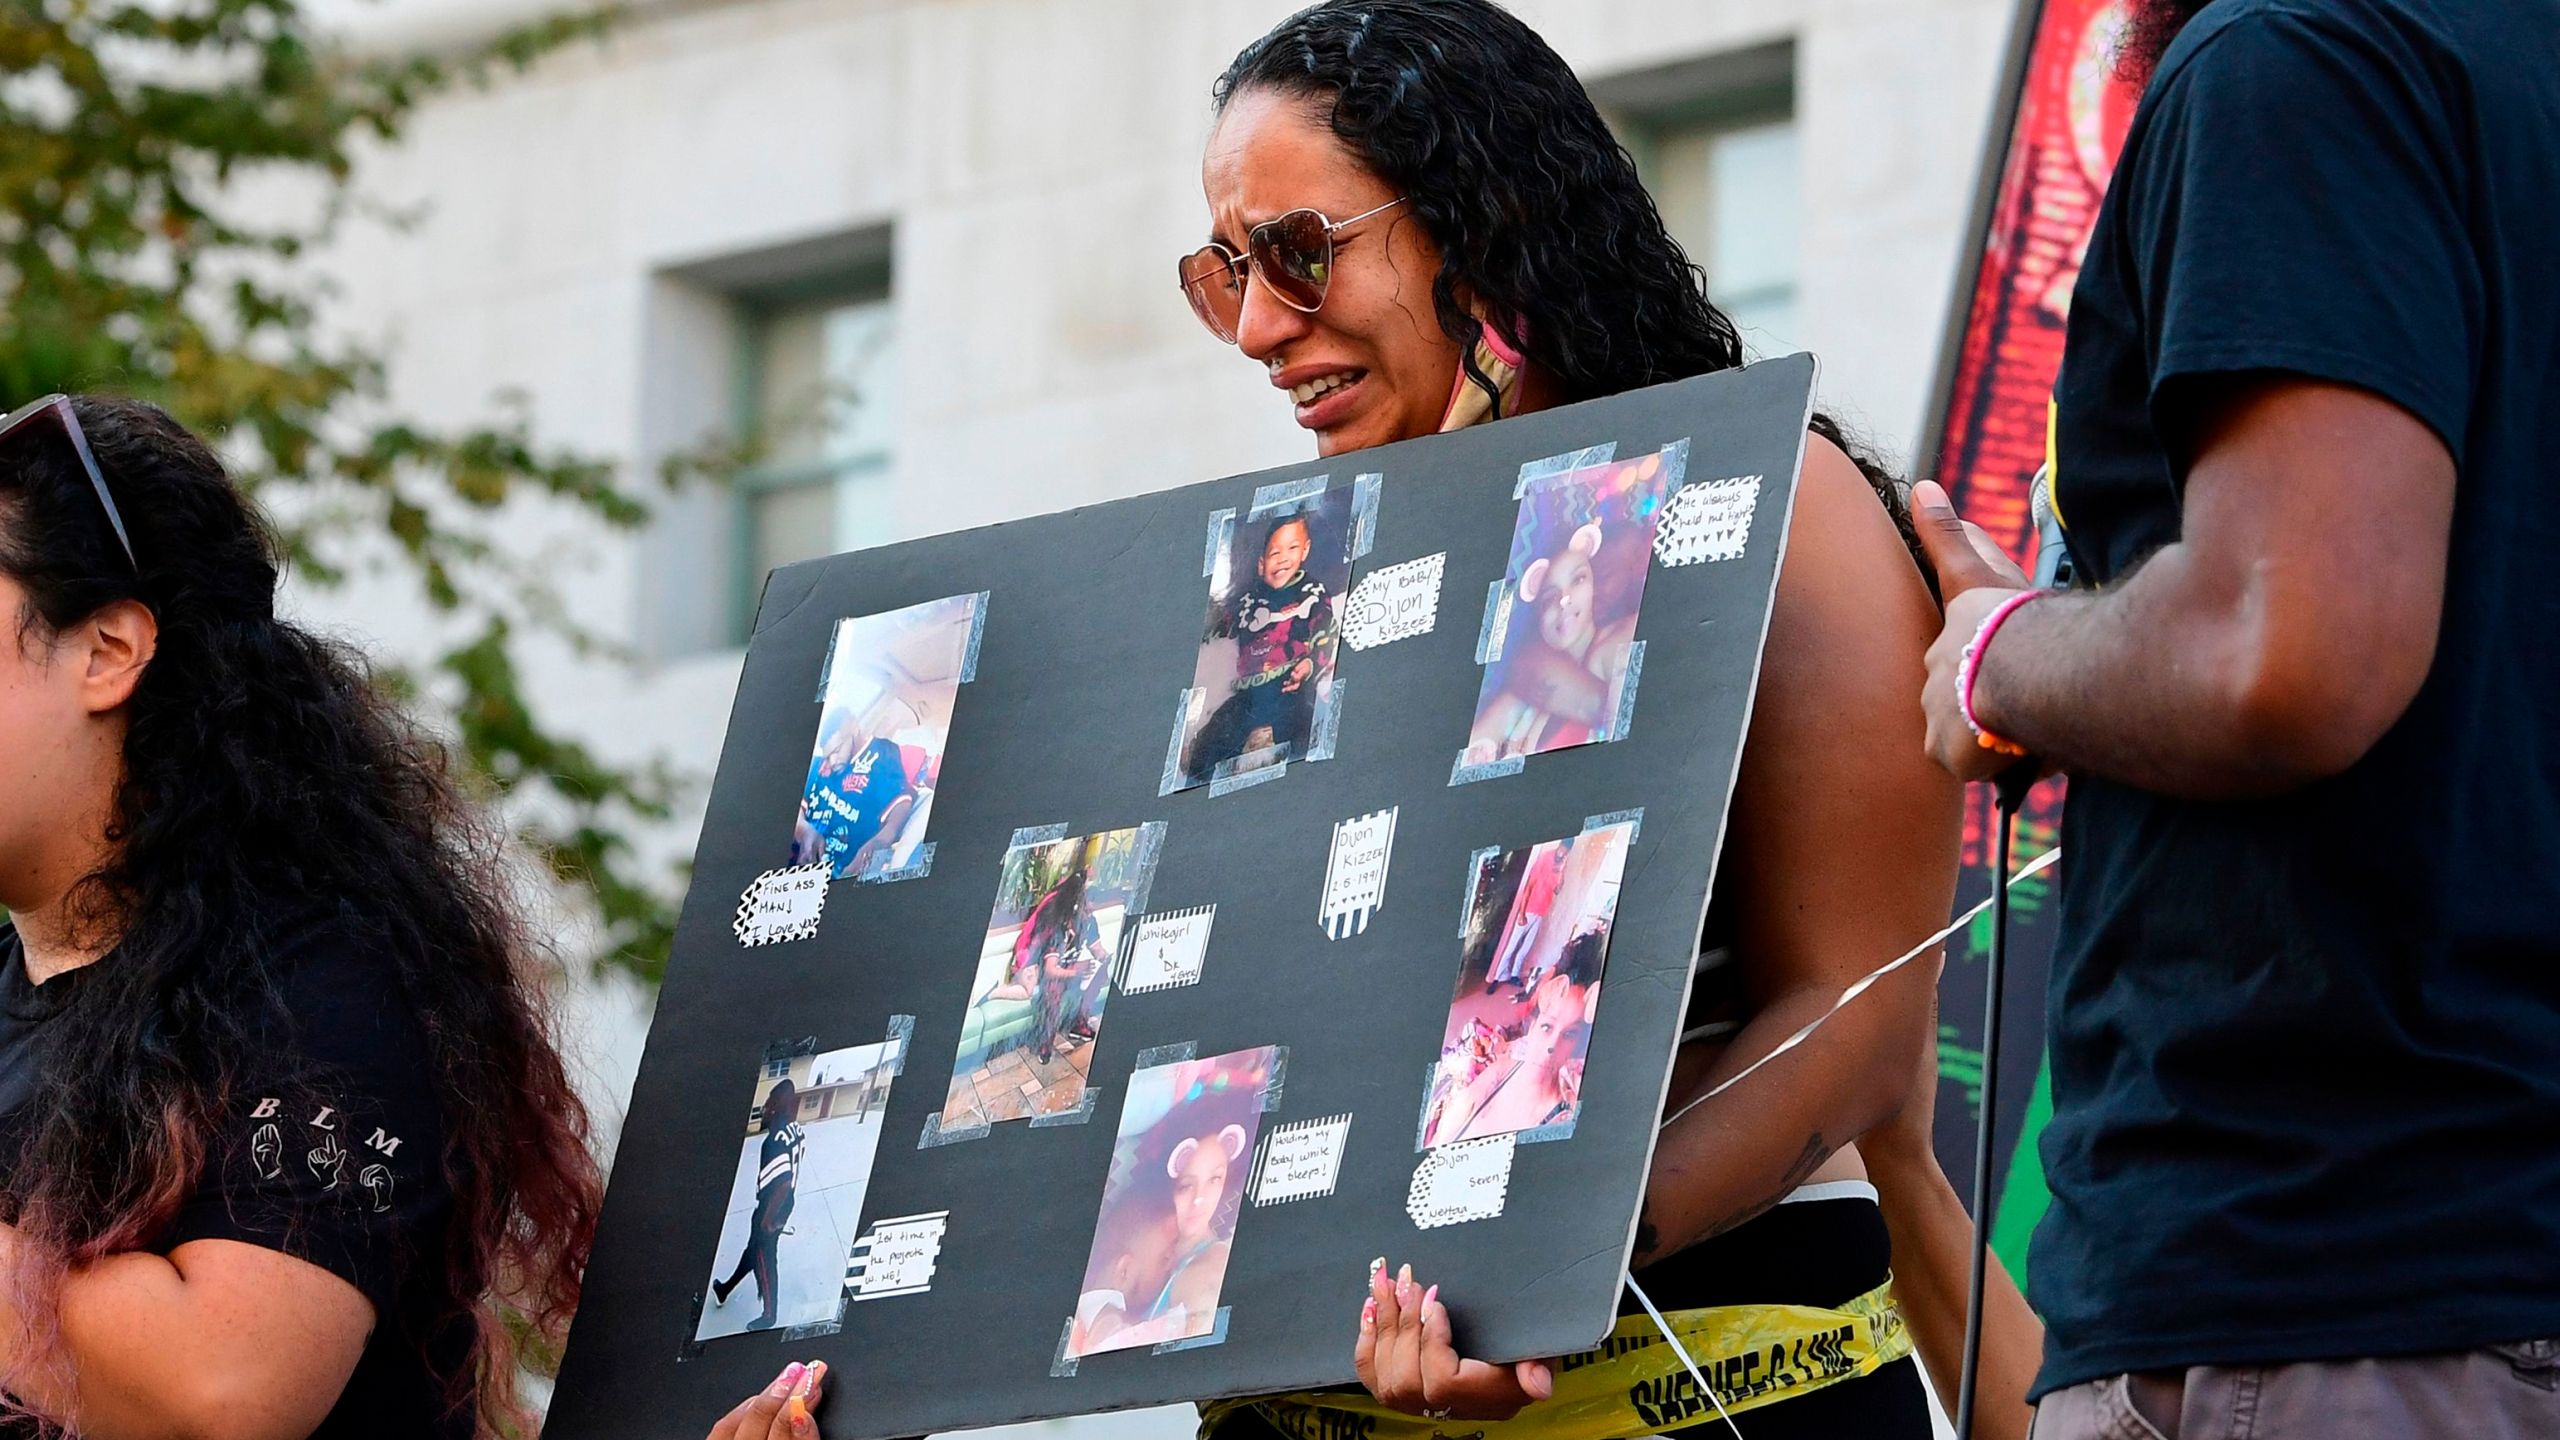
(1564, 623)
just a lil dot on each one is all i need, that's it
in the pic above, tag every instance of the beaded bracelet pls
(1970, 666)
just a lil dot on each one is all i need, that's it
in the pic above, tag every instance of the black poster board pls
(1089, 628)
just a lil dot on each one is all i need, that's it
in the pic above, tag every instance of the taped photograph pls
(1560, 633)
(884, 718)
(1528, 987)
(1169, 1206)
(1263, 682)
(1044, 975)
(795, 1200)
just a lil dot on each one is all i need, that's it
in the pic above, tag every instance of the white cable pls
(1864, 983)
(1683, 1352)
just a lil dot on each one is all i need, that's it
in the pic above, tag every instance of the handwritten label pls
(1355, 875)
(1300, 1160)
(1394, 603)
(1461, 1182)
(1168, 950)
(897, 1257)
(782, 905)
(1708, 520)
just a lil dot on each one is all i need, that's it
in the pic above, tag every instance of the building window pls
(1729, 195)
(1715, 139)
(819, 399)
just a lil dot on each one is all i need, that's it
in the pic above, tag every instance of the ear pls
(1587, 539)
(121, 639)
(1233, 1138)
(1533, 578)
(1590, 1002)
(1180, 1157)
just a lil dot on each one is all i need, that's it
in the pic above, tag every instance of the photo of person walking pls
(795, 1197)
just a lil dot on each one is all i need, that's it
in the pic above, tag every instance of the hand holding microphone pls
(1980, 587)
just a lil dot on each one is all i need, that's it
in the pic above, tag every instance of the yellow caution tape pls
(1632, 1383)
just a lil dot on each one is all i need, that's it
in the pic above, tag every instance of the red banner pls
(2066, 117)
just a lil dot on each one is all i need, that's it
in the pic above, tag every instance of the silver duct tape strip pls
(1082, 1112)
(1364, 513)
(1675, 464)
(1535, 471)
(1286, 492)
(977, 636)
(827, 667)
(1036, 835)
(1063, 1365)
(1626, 720)
(1475, 882)
(1153, 1056)
(934, 1135)
(916, 868)
(1217, 1336)
(816, 1328)
(1497, 620)
(1150, 850)
(1537, 1134)
(1173, 776)
(1422, 1117)
(1633, 818)
(1231, 781)
(1321, 745)
(902, 1036)
(1222, 532)
(1465, 774)
(1279, 1077)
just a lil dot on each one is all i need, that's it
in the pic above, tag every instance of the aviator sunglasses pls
(1292, 256)
(53, 413)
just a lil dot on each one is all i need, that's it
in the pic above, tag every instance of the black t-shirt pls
(335, 1156)
(2306, 1050)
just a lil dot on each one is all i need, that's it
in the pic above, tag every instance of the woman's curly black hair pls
(268, 782)
(1536, 207)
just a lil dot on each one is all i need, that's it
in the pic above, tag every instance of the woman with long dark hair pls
(286, 1148)
(1420, 222)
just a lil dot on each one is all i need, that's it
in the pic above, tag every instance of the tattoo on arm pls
(1648, 1240)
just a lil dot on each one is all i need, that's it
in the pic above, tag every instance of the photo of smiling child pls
(1528, 987)
(1565, 620)
(1263, 681)
(1169, 1206)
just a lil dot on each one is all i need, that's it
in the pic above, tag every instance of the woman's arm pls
(1932, 1256)
(217, 1340)
(1843, 852)
(1850, 835)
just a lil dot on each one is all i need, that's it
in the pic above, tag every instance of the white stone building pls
(967, 211)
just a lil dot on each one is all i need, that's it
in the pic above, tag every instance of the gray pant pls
(2500, 1392)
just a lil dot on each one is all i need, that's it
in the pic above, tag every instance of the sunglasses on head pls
(53, 414)
(1291, 255)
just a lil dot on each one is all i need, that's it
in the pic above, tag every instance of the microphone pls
(2053, 571)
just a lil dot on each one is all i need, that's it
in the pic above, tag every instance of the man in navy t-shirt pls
(2305, 1011)
(858, 793)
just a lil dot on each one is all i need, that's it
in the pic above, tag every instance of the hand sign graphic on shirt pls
(376, 1179)
(266, 1152)
(328, 1161)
